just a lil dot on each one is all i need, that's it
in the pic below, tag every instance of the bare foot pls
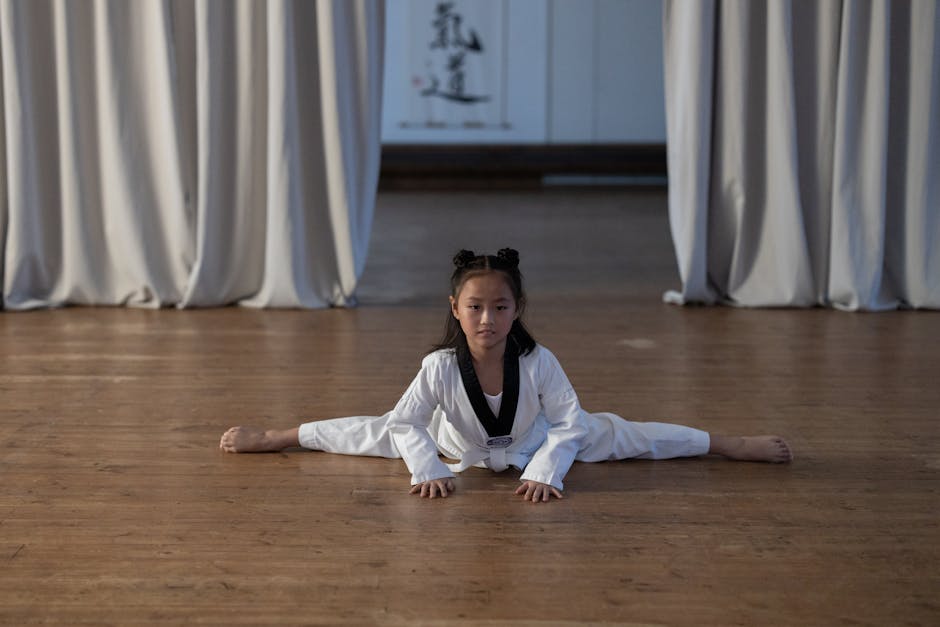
(754, 448)
(247, 440)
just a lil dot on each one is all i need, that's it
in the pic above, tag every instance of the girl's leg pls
(356, 435)
(755, 448)
(256, 440)
(611, 437)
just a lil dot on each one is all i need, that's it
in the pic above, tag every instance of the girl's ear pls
(453, 307)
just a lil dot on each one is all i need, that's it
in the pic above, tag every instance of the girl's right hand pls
(434, 487)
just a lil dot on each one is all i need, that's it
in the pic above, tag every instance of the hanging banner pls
(457, 69)
(465, 71)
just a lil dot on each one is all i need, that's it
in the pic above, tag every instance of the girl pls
(490, 396)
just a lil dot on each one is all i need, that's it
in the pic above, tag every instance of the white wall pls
(576, 71)
(606, 72)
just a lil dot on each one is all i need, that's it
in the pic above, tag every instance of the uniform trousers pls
(609, 437)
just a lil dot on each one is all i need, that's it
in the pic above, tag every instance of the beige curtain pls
(187, 152)
(804, 152)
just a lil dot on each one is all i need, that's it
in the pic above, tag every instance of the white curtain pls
(187, 152)
(804, 152)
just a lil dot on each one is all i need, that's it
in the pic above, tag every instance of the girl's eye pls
(501, 307)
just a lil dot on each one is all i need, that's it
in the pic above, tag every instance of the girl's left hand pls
(535, 491)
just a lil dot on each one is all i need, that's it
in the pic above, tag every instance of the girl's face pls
(485, 308)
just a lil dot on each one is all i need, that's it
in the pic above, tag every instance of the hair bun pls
(509, 256)
(464, 258)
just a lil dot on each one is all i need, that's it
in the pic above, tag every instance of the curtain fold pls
(187, 153)
(802, 152)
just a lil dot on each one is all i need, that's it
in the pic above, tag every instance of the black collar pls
(495, 426)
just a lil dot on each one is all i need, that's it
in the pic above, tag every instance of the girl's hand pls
(535, 491)
(434, 487)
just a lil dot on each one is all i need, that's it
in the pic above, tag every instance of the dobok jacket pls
(436, 415)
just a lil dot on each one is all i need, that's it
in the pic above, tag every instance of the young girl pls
(490, 396)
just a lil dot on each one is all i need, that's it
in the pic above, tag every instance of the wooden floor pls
(116, 507)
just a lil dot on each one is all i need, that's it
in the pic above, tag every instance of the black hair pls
(467, 265)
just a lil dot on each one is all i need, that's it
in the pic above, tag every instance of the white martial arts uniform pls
(550, 431)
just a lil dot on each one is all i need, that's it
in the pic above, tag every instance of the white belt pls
(499, 459)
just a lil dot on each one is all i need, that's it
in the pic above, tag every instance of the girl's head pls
(468, 265)
(503, 266)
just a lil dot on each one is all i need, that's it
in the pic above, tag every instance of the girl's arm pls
(417, 449)
(560, 406)
(409, 428)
